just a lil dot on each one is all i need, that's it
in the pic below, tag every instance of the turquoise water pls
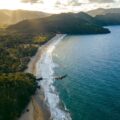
(92, 89)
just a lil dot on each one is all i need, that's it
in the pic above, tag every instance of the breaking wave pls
(45, 68)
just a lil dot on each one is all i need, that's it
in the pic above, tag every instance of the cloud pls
(101, 1)
(72, 2)
(67, 3)
(57, 2)
(31, 1)
(57, 6)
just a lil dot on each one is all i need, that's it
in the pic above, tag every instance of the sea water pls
(92, 89)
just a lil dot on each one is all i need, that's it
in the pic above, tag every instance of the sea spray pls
(45, 68)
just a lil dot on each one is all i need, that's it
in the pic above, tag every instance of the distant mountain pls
(108, 19)
(101, 11)
(14, 16)
(69, 23)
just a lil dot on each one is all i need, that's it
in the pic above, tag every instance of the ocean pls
(91, 91)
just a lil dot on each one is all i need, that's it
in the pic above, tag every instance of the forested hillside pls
(17, 87)
(108, 19)
(65, 23)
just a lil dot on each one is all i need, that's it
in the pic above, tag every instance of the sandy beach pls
(37, 108)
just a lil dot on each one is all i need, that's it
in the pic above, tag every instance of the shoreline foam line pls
(45, 68)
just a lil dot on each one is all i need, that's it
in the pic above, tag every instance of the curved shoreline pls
(37, 107)
(45, 66)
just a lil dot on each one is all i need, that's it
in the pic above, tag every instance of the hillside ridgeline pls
(65, 23)
(8, 17)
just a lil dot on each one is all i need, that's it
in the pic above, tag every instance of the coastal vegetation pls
(15, 92)
(16, 87)
(16, 50)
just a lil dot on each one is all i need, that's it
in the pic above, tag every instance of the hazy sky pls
(56, 6)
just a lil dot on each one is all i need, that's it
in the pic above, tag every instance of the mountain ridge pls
(102, 11)
(14, 16)
(108, 19)
(69, 23)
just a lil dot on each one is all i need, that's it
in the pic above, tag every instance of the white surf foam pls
(45, 68)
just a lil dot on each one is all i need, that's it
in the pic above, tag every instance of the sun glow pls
(46, 6)
(56, 6)
(8, 4)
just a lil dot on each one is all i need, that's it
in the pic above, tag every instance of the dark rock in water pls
(38, 87)
(39, 79)
(27, 110)
(61, 77)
